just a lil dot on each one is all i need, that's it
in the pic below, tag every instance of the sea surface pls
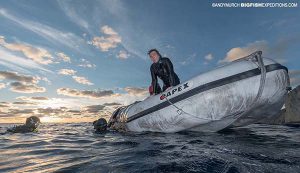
(76, 148)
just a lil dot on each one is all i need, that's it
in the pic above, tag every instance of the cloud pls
(4, 104)
(93, 108)
(72, 14)
(21, 87)
(45, 79)
(67, 72)
(275, 50)
(37, 54)
(108, 30)
(295, 81)
(77, 112)
(21, 111)
(109, 41)
(51, 34)
(24, 98)
(134, 39)
(240, 52)
(136, 91)
(24, 103)
(84, 93)
(2, 85)
(294, 77)
(18, 63)
(189, 59)
(85, 63)
(61, 112)
(51, 111)
(18, 77)
(45, 102)
(64, 57)
(82, 80)
(209, 57)
(123, 54)
(294, 73)
(112, 104)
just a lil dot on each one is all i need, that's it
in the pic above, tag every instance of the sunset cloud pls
(123, 54)
(71, 12)
(84, 93)
(189, 59)
(61, 112)
(82, 80)
(24, 98)
(109, 41)
(49, 33)
(85, 63)
(53, 111)
(209, 57)
(112, 104)
(21, 111)
(37, 54)
(15, 76)
(136, 90)
(240, 52)
(64, 57)
(93, 108)
(4, 104)
(66, 72)
(24, 103)
(294, 77)
(275, 50)
(2, 85)
(26, 88)
(18, 63)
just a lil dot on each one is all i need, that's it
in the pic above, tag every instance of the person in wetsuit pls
(31, 125)
(100, 125)
(162, 67)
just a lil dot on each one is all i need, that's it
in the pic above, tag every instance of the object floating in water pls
(236, 94)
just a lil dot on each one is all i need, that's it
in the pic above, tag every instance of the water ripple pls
(75, 148)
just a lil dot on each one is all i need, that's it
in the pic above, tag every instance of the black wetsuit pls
(164, 70)
(21, 129)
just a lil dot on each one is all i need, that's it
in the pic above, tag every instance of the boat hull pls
(212, 101)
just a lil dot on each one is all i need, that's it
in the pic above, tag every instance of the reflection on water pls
(75, 148)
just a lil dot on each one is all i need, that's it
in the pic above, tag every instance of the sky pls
(73, 61)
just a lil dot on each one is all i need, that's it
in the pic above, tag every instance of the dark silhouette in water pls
(31, 125)
(100, 125)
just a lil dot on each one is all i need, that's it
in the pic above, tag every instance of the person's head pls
(33, 122)
(100, 125)
(154, 55)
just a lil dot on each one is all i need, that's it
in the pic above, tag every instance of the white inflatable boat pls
(236, 94)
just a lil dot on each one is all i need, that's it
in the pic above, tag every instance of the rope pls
(179, 111)
(260, 61)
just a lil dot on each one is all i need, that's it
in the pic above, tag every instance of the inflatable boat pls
(233, 95)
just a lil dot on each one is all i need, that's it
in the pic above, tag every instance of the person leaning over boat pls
(161, 67)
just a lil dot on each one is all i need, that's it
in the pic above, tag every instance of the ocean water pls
(76, 148)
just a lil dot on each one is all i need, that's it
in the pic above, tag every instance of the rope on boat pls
(259, 59)
(179, 111)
